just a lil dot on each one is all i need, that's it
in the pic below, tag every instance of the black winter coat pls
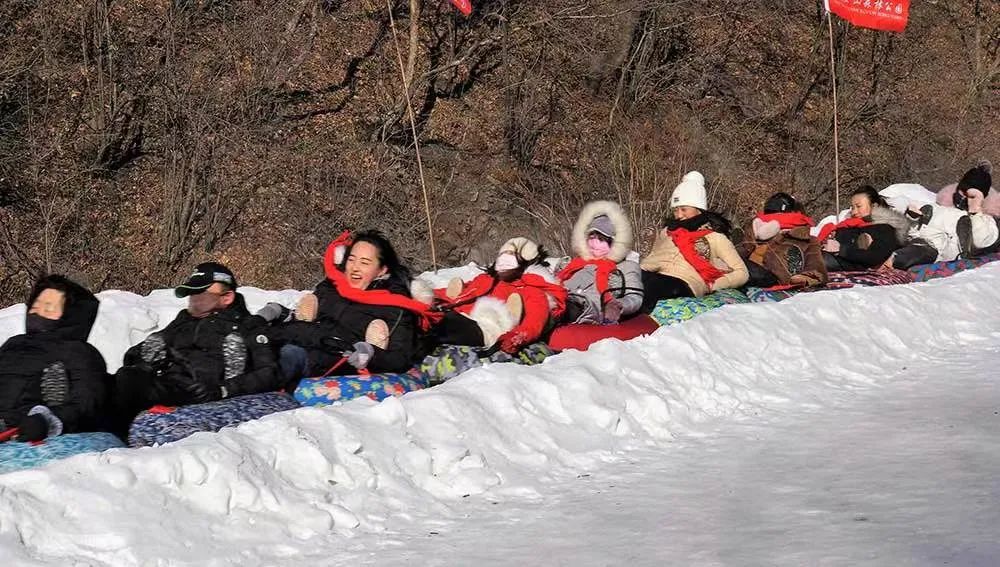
(207, 359)
(341, 322)
(56, 368)
(883, 243)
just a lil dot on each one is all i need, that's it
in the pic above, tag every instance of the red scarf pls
(786, 221)
(604, 268)
(373, 296)
(830, 228)
(684, 241)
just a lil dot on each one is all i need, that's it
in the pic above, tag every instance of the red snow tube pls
(580, 337)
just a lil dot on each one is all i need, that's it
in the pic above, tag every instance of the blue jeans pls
(293, 360)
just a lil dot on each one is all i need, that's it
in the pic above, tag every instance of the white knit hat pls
(690, 192)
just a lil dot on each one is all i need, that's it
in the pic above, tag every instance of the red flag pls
(888, 15)
(464, 6)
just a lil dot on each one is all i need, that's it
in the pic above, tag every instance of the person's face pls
(216, 298)
(49, 304)
(685, 212)
(363, 265)
(860, 206)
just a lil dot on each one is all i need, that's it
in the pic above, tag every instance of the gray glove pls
(362, 355)
(275, 313)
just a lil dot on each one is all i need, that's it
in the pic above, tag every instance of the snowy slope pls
(303, 487)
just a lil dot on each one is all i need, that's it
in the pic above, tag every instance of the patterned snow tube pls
(580, 337)
(765, 295)
(325, 391)
(673, 311)
(869, 278)
(936, 270)
(18, 456)
(449, 361)
(159, 427)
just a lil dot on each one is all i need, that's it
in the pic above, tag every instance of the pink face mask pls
(505, 261)
(597, 247)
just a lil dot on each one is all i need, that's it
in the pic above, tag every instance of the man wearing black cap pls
(212, 350)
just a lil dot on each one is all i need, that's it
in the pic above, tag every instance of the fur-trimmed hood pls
(899, 223)
(623, 240)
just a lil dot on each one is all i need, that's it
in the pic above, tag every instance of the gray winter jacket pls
(624, 284)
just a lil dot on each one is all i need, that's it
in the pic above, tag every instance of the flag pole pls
(413, 127)
(836, 126)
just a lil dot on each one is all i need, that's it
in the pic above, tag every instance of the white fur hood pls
(623, 241)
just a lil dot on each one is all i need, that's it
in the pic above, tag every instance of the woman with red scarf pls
(692, 256)
(779, 250)
(604, 285)
(360, 317)
(867, 238)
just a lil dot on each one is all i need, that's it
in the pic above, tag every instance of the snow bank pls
(265, 491)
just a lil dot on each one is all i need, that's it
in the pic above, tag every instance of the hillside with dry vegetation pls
(138, 137)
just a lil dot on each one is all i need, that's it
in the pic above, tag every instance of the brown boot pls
(454, 288)
(515, 304)
(377, 334)
(307, 308)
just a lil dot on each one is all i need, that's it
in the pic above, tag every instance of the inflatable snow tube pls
(679, 309)
(448, 361)
(580, 337)
(160, 425)
(330, 389)
(869, 278)
(767, 295)
(16, 456)
(936, 270)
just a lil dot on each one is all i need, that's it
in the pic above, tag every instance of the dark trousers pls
(914, 255)
(835, 263)
(658, 286)
(760, 276)
(457, 329)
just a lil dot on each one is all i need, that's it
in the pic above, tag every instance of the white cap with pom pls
(690, 192)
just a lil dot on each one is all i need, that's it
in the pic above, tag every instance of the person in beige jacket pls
(692, 254)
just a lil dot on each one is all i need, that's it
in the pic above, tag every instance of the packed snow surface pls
(856, 427)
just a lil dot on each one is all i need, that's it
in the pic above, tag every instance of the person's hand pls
(512, 341)
(362, 355)
(802, 280)
(274, 313)
(975, 201)
(831, 245)
(613, 311)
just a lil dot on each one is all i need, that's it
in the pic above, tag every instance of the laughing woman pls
(361, 316)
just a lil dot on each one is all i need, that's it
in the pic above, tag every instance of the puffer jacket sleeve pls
(985, 231)
(86, 389)
(536, 314)
(884, 243)
(723, 249)
(402, 349)
(263, 373)
(814, 268)
(632, 299)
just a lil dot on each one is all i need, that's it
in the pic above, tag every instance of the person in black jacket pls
(212, 350)
(359, 321)
(880, 231)
(51, 380)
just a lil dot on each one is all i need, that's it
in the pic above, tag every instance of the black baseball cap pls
(204, 275)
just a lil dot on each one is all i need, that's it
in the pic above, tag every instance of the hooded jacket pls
(209, 358)
(624, 283)
(667, 259)
(56, 372)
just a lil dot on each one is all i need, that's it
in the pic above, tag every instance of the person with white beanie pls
(692, 255)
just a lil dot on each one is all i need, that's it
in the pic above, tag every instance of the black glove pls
(275, 313)
(33, 428)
